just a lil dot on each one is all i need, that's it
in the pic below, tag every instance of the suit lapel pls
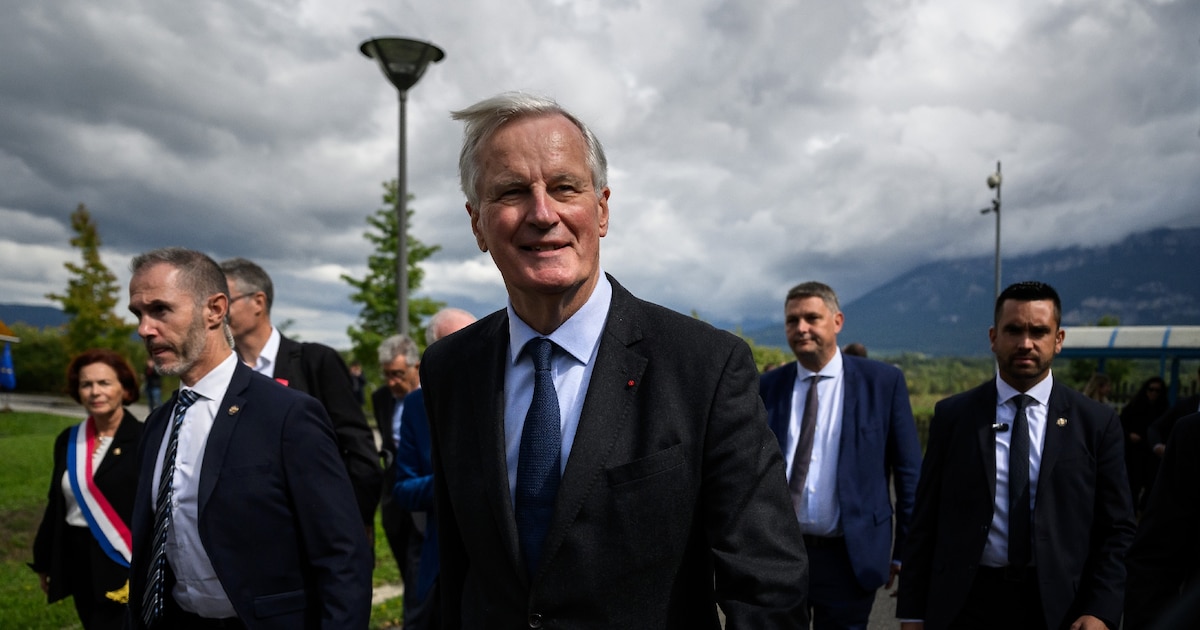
(607, 407)
(287, 364)
(984, 416)
(1059, 406)
(487, 410)
(228, 413)
(852, 391)
(123, 445)
(780, 413)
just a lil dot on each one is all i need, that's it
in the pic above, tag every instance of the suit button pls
(535, 620)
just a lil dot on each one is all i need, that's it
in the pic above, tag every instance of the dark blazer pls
(879, 441)
(414, 483)
(319, 371)
(276, 511)
(673, 476)
(1083, 520)
(116, 477)
(1160, 429)
(1165, 554)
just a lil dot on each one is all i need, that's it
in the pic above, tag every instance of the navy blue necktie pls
(154, 597)
(538, 463)
(1020, 521)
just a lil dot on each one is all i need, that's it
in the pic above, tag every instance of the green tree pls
(40, 360)
(376, 293)
(91, 294)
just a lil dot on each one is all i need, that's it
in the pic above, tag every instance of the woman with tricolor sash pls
(82, 547)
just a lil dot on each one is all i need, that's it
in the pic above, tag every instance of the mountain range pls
(944, 308)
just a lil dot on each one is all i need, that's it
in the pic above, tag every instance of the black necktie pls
(154, 597)
(538, 467)
(1020, 547)
(804, 444)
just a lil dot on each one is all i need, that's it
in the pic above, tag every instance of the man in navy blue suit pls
(860, 433)
(413, 491)
(256, 524)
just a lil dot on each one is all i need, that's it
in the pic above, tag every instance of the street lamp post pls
(993, 181)
(402, 61)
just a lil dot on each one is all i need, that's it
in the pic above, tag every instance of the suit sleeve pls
(759, 559)
(904, 458)
(329, 380)
(44, 542)
(336, 552)
(922, 532)
(1102, 585)
(414, 481)
(1165, 552)
(452, 555)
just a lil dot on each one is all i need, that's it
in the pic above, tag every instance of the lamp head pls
(402, 61)
(993, 180)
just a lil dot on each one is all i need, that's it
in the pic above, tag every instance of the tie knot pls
(539, 348)
(186, 398)
(1023, 401)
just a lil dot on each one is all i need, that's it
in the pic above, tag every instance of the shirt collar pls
(266, 357)
(578, 336)
(1039, 392)
(214, 384)
(829, 370)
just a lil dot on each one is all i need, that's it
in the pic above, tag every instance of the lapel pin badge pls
(117, 451)
(234, 409)
(1062, 422)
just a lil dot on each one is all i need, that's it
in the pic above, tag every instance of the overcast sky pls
(752, 144)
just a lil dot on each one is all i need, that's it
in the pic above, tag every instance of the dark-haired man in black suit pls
(1035, 540)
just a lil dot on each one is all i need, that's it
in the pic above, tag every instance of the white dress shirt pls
(265, 364)
(197, 588)
(818, 510)
(571, 363)
(995, 552)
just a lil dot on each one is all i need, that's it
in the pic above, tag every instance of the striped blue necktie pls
(152, 602)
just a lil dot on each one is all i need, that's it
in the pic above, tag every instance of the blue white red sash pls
(107, 527)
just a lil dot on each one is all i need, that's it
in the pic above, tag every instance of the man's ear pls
(216, 309)
(476, 228)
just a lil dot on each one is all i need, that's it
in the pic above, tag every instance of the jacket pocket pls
(279, 603)
(648, 466)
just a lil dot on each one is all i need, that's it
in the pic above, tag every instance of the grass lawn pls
(26, 460)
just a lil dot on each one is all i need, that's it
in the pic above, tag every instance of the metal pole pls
(402, 227)
(999, 183)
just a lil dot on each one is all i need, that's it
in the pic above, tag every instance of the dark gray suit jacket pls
(673, 478)
(1083, 519)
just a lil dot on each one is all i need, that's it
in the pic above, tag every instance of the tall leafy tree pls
(91, 294)
(376, 292)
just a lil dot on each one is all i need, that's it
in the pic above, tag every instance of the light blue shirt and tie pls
(572, 361)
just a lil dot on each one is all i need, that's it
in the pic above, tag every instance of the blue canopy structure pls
(1168, 344)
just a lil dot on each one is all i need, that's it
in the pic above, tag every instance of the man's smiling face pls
(540, 216)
